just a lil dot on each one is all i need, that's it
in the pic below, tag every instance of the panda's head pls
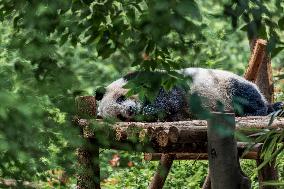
(115, 104)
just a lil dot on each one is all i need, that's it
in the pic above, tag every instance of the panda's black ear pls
(100, 92)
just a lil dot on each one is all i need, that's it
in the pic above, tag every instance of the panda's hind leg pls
(249, 98)
(259, 112)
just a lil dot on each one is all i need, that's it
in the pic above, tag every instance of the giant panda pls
(216, 89)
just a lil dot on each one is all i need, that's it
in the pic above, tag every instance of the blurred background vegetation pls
(52, 51)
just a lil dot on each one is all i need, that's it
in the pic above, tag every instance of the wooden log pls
(249, 151)
(139, 134)
(207, 182)
(162, 171)
(162, 138)
(173, 134)
(264, 78)
(255, 60)
(120, 135)
(162, 125)
(151, 132)
(178, 156)
(88, 175)
(242, 123)
(192, 134)
(187, 134)
(86, 106)
(245, 150)
(154, 148)
(245, 125)
(224, 165)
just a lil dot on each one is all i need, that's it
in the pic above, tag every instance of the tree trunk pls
(225, 171)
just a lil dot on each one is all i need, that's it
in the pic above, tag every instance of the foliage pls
(183, 174)
(52, 51)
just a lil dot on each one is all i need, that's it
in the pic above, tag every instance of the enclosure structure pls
(183, 140)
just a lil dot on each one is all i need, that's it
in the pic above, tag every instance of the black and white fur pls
(215, 87)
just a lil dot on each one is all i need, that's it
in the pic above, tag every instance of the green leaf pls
(189, 8)
(262, 32)
(150, 47)
(136, 62)
(64, 38)
(265, 162)
(276, 51)
(244, 27)
(131, 14)
(281, 23)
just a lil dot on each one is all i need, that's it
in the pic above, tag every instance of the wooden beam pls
(142, 137)
(184, 132)
(207, 182)
(256, 60)
(256, 122)
(252, 153)
(162, 172)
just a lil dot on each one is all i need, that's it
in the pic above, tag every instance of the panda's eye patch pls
(121, 99)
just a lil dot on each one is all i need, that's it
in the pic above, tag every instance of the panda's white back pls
(215, 85)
